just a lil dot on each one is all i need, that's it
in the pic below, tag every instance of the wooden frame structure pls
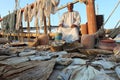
(91, 23)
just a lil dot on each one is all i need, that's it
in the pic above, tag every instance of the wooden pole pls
(28, 26)
(45, 26)
(49, 25)
(91, 17)
(64, 6)
(21, 31)
(32, 5)
(28, 30)
(37, 28)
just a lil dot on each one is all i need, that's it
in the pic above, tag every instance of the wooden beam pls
(25, 34)
(28, 29)
(91, 17)
(32, 6)
(37, 28)
(64, 6)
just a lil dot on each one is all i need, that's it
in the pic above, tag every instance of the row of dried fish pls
(31, 64)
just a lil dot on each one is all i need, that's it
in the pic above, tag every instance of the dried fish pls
(117, 70)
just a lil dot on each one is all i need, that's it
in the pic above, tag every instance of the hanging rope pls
(117, 24)
(112, 13)
(115, 30)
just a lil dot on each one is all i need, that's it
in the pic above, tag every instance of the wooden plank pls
(25, 34)
(64, 6)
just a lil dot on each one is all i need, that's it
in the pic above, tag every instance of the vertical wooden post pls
(28, 26)
(49, 24)
(91, 17)
(37, 28)
(21, 31)
(28, 29)
(45, 26)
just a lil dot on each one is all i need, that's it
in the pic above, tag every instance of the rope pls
(115, 30)
(117, 24)
(112, 12)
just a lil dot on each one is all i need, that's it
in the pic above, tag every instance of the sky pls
(102, 7)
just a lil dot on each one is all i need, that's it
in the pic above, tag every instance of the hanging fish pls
(55, 2)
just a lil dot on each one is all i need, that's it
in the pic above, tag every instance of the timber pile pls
(40, 63)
